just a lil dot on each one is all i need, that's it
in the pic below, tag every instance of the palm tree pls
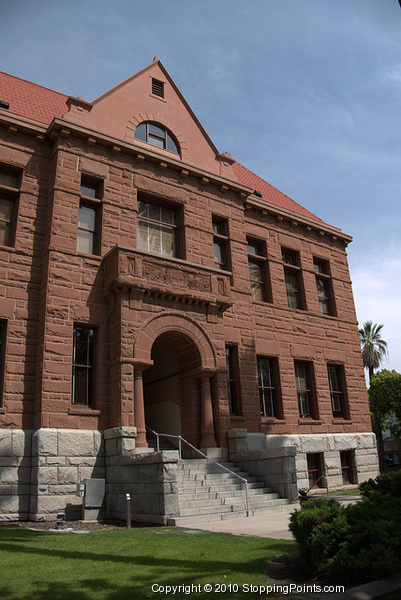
(374, 349)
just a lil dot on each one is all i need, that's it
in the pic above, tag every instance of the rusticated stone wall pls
(60, 459)
(281, 460)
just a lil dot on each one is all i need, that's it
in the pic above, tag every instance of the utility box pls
(92, 492)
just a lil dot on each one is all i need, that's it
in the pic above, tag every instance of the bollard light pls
(128, 507)
(61, 519)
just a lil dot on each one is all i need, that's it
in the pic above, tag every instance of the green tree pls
(374, 349)
(385, 390)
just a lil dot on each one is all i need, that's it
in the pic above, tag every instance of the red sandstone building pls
(148, 281)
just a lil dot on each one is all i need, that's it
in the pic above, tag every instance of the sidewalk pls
(275, 525)
(270, 525)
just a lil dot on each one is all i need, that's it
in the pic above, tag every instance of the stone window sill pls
(83, 411)
(310, 421)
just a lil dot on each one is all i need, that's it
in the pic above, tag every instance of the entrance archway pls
(177, 360)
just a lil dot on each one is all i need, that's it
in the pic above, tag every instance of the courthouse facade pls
(149, 282)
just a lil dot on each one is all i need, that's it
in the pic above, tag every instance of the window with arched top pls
(156, 136)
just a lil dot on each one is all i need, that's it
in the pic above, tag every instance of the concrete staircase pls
(207, 492)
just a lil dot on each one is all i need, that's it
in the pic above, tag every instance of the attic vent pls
(158, 88)
(4, 104)
(257, 193)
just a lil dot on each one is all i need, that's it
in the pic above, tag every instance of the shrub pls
(359, 543)
(372, 544)
(318, 527)
(386, 483)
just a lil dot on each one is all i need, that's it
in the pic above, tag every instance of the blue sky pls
(306, 94)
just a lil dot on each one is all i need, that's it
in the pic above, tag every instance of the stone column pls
(208, 439)
(139, 409)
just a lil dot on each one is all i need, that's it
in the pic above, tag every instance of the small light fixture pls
(61, 519)
(5, 105)
(257, 193)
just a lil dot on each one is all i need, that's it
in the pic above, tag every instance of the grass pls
(347, 493)
(124, 564)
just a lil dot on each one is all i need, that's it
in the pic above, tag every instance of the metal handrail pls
(181, 439)
(317, 481)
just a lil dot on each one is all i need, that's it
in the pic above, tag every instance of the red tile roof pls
(270, 193)
(31, 100)
(42, 104)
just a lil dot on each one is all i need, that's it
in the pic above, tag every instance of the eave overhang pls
(62, 127)
(296, 219)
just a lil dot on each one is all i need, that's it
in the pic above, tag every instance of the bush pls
(386, 483)
(359, 543)
(318, 527)
(372, 545)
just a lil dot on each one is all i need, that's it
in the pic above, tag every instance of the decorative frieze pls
(166, 278)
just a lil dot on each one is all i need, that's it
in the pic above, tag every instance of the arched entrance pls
(172, 389)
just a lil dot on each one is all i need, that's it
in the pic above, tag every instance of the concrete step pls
(188, 521)
(234, 493)
(204, 487)
(208, 492)
(258, 501)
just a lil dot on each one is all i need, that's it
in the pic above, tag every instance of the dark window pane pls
(83, 346)
(140, 132)
(171, 145)
(155, 130)
(90, 191)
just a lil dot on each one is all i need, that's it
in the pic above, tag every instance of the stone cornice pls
(16, 123)
(63, 128)
(296, 219)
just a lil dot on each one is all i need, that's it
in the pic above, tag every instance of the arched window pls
(156, 136)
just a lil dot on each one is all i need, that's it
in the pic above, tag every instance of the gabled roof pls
(31, 100)
(269, 193)
(42, 104)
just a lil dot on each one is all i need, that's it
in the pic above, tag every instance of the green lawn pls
(123, 564)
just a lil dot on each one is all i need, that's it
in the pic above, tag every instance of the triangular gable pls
(119, 111)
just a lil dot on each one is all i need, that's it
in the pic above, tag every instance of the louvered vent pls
(158, 88)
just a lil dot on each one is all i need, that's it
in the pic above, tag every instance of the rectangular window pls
(324, 286)
(157, 229)
(89, 217)
(9, 193)
(305, 390)
(3, 334)
(232, 378)
(293, 280)
(221, 244)
(315, 469)
(268, 387)
(83, 366)
(258, 275)
(86, 241)
(347, 466)
(337, 391)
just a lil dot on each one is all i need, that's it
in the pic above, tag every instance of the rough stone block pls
(75, 443)
(21, 443)
(345, 442)
(44, 442)
(5, 442)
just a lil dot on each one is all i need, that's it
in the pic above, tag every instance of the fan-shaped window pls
(156, 136)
